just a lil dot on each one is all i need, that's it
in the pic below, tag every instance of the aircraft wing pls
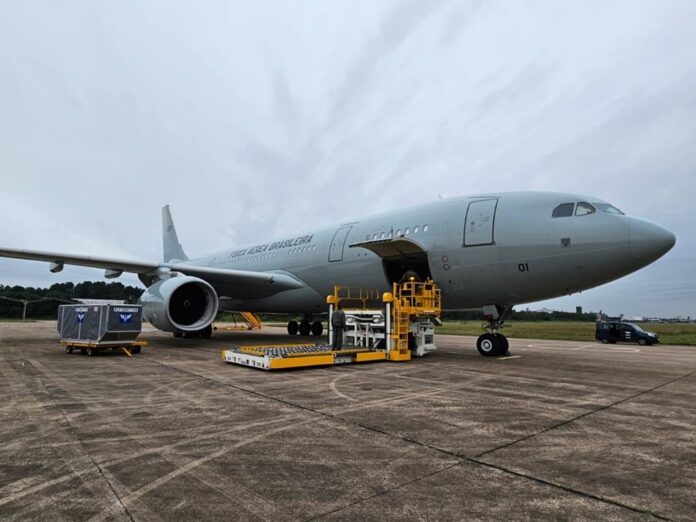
(249, 283)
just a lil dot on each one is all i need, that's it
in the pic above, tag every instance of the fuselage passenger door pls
(480, 222)
(338, 243)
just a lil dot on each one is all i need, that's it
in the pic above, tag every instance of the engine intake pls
(180, 304)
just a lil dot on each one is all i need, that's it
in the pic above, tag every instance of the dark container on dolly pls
(99, 326)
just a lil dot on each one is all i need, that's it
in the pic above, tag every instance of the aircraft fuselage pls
(504, 249)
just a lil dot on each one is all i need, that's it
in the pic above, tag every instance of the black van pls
(620, 332)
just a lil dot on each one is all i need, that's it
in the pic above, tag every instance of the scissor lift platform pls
(401, 328)
(284, 356)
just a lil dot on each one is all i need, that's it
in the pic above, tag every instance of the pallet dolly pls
(92, 349)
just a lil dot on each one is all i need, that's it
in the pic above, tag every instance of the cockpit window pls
(563, 210)
(607, 208)
(584, 209)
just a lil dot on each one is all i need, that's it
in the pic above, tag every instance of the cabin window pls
(563, 210)
(406, 232)
(415, 230)
(425, 228)
(583, 209)
(608, 209)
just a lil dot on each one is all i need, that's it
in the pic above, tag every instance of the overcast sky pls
(256, 120)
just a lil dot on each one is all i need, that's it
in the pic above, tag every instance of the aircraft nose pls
(649, 241)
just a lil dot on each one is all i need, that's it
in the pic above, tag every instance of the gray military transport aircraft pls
(486, 252)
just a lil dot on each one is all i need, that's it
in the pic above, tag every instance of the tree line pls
(58, 293)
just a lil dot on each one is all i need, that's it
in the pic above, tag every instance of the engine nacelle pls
(180, 304)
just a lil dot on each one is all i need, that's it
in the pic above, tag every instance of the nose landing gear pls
(493, 343)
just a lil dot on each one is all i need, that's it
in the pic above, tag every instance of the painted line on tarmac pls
(581, 347)
(509, 357)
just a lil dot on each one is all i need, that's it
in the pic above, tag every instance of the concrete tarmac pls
(560, 430)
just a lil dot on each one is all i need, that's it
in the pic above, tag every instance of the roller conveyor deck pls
(277, 357)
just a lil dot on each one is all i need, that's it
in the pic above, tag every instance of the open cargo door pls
(399, 255)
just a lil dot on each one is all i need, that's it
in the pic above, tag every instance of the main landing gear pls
(493, 343)
(305, 327)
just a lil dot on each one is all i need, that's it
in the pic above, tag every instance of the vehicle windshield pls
(608, 209)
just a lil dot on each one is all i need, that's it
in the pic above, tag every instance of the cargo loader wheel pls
(293, 327)
(305, 328)
(68, 349)
(489, 345)
(91, 352)
(317, 328)
(135, 349)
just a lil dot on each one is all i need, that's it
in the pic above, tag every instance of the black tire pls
(488, 345)
(135, 350)
(504, 344)
(305, 328)
(68, 349)
(83, 351)
(317, 328)
(91, 352)
(178, 335)
(643, 342)
(612, 342)
(293, 327)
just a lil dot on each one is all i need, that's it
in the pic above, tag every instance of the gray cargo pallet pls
(100, 325)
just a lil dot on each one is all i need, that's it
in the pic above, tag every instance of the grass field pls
(570, 331)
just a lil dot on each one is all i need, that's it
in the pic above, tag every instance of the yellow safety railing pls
(353, 297)
(418, 298)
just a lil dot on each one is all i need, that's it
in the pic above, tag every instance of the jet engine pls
(180, 304)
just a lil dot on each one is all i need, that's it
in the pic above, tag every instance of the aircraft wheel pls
(504, 344)
(68, 349)
(207, 332)
(488, 345)
(178, 334)
(305, 328)
(293, 327)
(317, 328)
